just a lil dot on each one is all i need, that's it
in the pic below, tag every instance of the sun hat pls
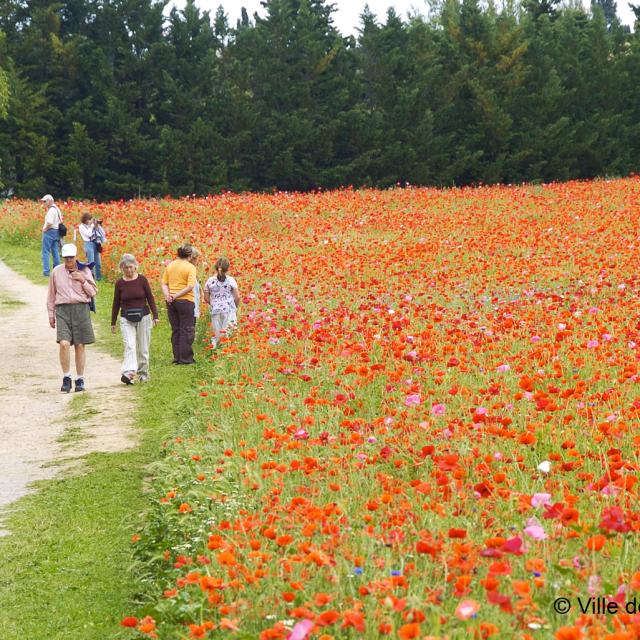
(69, 251)
(47, 198)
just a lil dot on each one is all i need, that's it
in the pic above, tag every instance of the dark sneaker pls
(66, 384)
(126, 379)
(80, 384)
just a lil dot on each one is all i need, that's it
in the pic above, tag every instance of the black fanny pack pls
(135, 314)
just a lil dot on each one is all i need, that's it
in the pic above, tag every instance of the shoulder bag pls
(62, 227)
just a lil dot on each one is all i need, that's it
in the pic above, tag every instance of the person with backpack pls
(52, 230)
(99, 237)
(70, 292)
(93, 237)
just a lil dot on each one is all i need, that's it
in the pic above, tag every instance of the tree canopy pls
(119, 98)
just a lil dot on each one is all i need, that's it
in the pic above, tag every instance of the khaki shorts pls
(73, 324)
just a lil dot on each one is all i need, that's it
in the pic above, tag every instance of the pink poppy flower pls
(413, 400)
(438, 409)
(301, 630)
(534, 530)
(540, 499)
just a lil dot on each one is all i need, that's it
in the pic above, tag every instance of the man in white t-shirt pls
(50, 234)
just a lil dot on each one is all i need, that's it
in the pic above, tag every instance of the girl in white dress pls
(222, 295)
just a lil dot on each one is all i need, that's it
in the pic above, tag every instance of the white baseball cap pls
(47, 198)
(69, 250)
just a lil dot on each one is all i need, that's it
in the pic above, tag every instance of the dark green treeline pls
(114, 98)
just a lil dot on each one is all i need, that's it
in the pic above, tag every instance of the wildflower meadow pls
(426, 425)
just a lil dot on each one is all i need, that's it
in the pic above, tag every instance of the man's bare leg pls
(80, 359)
(65, 356)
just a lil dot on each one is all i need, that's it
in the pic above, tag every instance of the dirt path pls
(33, 412)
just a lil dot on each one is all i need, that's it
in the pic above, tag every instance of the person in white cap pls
(70, 291)
(50, 234)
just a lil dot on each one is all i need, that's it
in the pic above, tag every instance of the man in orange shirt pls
(178, 281)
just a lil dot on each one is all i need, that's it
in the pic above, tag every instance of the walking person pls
(70, 292)
(221, 293)
(50, 234)
(178, 281)
(98, 238)
(133, 298)
(197, 289)
(92, 234)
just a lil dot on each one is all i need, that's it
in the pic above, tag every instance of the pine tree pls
(297, 69)
(609, 9)
(4, 79)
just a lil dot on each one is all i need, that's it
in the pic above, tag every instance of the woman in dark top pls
(132, 296)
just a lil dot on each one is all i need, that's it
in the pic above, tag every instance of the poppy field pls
(426, 426)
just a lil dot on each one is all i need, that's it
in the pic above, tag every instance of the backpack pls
(62, 228)
(88, 265)
(98, 238)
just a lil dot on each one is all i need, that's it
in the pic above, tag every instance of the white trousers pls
(222, 324)
(137, 338)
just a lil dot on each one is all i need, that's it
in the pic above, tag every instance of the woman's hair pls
(126, 259)
(185, 251)
(86, 216)
(194, 253)
(222, 266)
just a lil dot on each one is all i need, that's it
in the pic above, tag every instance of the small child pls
(221, 293)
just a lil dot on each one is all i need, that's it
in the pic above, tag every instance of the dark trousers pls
(182, 330)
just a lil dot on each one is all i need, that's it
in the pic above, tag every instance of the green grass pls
(8, 304)
(79, 407)
(66, 570)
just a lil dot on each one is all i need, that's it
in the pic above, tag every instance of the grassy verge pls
(66, 570)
